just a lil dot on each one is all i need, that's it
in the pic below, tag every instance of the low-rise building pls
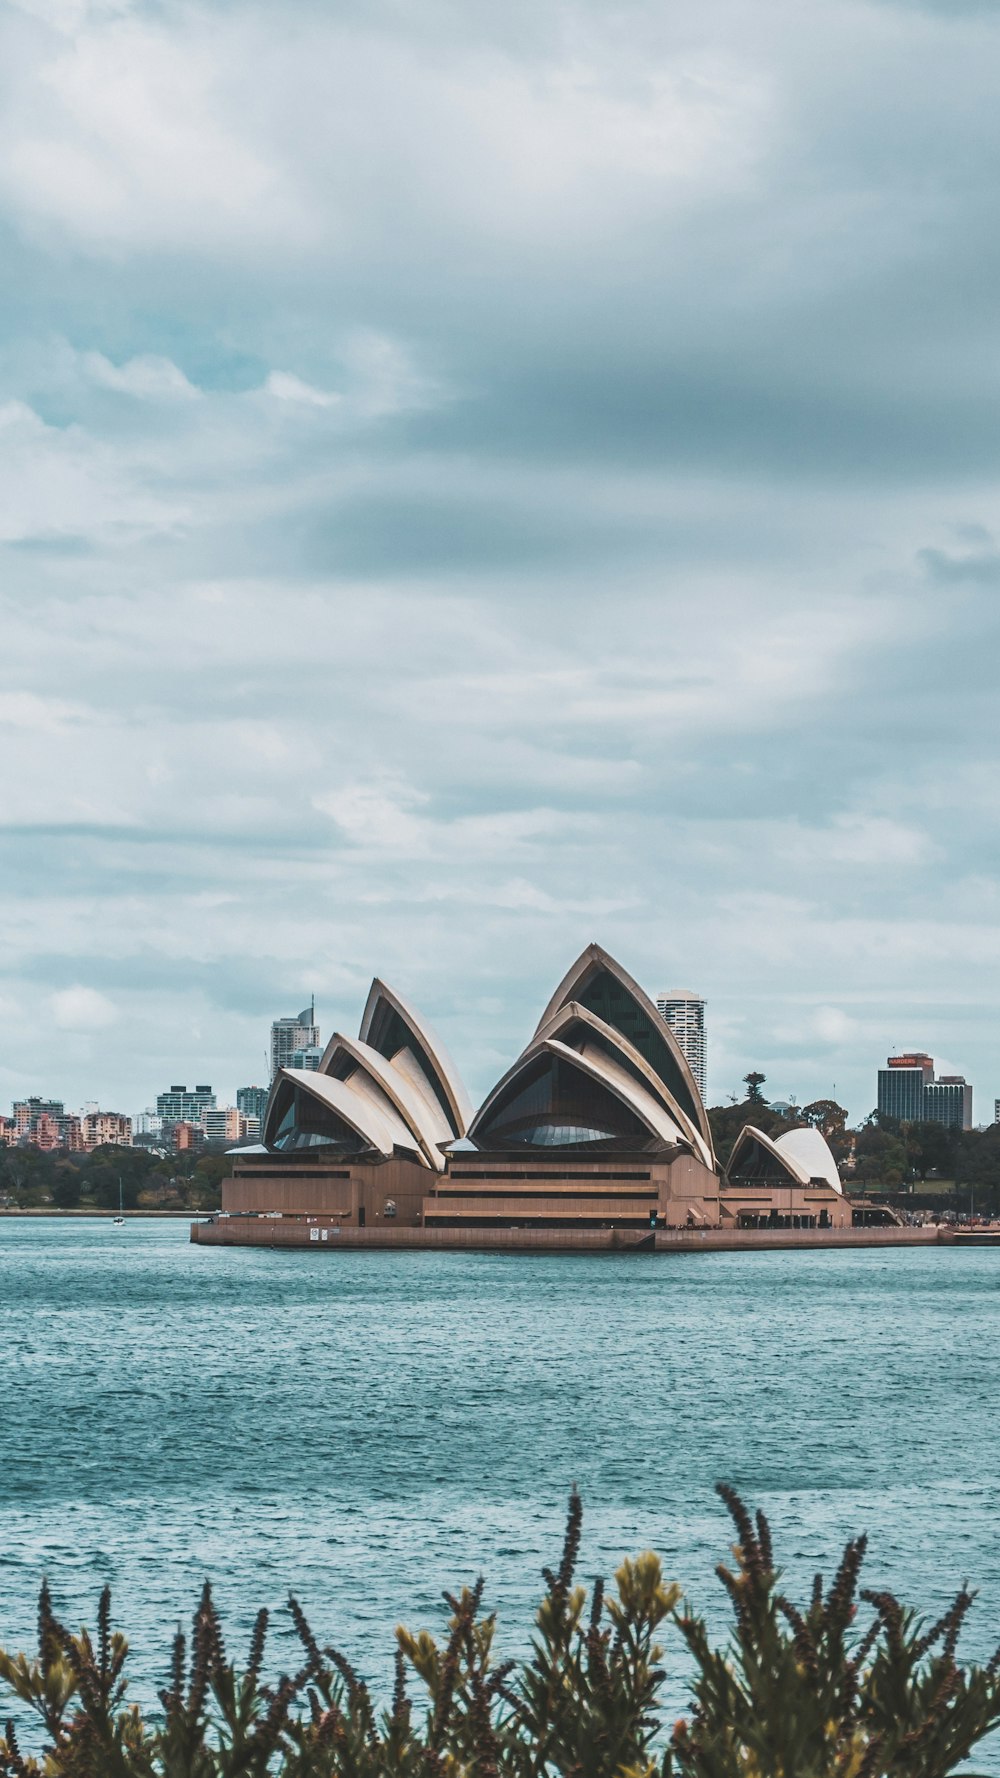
(225, 1123)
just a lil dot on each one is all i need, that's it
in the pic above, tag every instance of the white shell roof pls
(409, 1098)
(598, 1066)
(618, 1081)
(810, 1150)
(379, 1125)
(448, 1082)
(802, 1161)
(572, 1012)
(595, 957)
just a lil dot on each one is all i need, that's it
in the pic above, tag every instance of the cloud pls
(473, 480)
(82, 1009)
(978, 567)
(286, 387)
(125, 140)
(147, 377)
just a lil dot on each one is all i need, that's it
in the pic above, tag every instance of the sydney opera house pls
(596, 1130)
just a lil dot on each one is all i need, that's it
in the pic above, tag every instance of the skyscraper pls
(901, 1086)
(685, 1014)
(908, 1090)
(300, 1032)
(949, 1101)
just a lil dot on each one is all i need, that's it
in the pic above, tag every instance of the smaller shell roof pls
(425, 1121)
(811, 1152)
(802, 1160)
(443, 1078)
(380, 1126)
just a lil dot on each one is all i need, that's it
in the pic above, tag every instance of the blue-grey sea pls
(371, 1428)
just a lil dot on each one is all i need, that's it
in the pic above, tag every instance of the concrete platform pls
(286, 1232)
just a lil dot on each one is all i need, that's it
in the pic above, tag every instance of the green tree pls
(753, 1083)
(110, 1187)
(879, 1155)
(931, 1148)
(66, 1187)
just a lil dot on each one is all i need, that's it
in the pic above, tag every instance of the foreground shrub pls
(798, 1693)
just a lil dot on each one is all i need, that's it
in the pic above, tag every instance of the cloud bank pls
(476, 480)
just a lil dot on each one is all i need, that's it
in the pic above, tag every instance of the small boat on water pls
(118, 1221)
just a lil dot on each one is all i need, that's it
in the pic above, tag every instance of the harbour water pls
(370, 1428)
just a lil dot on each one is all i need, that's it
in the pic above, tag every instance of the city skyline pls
(235, 1096)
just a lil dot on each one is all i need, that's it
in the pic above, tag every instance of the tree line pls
(32, 1178)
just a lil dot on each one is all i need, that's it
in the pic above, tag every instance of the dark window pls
(605, 996)
(756, 1163)
(554, 1105)
(390, 1034)
(301, 1121)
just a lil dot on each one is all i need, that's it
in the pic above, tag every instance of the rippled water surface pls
(370, 1428)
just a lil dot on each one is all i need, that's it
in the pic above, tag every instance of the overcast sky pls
(476, 479)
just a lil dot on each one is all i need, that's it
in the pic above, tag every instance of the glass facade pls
(302, 1121)
(390, 1034)
(901, 1093)
(757, 1165)
(551, 1104)
(605, 995)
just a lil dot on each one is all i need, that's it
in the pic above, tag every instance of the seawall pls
(284, 1232)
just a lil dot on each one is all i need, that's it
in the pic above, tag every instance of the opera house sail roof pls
(596, 1132)
(800, 1157)
(603, 1072)
(392, 1090)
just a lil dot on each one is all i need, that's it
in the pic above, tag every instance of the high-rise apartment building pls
(908, 1090)
(252, 1101)
(45, 1123)
(180, 1106)
(300, 1032)
(107, 1128)
(949, 1101)
(685, 1014)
